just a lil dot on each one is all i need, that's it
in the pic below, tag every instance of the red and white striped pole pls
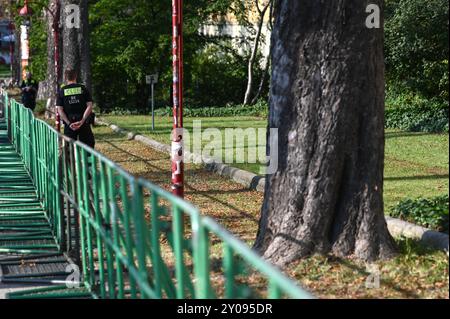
(177, 153)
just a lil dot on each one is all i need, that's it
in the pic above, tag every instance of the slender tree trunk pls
(252, 60)
(327, 101)
(268, 58)
(263, 80)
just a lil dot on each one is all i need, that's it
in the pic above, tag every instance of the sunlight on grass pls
(416, 163)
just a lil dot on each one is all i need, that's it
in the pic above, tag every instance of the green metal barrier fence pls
(130, 238)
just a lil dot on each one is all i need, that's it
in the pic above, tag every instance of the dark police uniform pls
(29, 98)
(74, 98)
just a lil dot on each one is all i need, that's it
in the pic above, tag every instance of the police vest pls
(73, 98)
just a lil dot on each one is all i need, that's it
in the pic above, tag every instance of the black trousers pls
(84, 134)
(29, 103)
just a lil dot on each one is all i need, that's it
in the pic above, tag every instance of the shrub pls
(257, 110)
(416, 114)
(431, 213)
(217, 78)
(260, 109)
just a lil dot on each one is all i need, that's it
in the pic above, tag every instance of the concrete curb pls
(248, 179)
(397, 227)
(428, 237)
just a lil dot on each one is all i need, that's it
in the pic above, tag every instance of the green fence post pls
(155, 235)
(201, 257)
(229, 270)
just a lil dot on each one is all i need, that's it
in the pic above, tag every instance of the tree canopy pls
(130, 39)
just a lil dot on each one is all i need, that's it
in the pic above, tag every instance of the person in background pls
(74, 103)
(29, 89)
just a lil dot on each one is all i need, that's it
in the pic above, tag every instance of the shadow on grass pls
(407, 134)
(383, 281)
(161, 176)
(207, 194)
(408, 249)
(424, 177)
(107, 137)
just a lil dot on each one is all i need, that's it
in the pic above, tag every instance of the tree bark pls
(76, 47)
(327, 101)
(48, 88)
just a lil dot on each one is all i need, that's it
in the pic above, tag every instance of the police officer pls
(29, 91)
(74, 105)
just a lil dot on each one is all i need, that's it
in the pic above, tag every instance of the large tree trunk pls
(327, 101)
(76, 47)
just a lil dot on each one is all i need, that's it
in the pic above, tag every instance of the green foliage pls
(37, 41)
(40, 107)
(417, 65)
(219, 77)
(259, 109)
(432, 213)
(413, 113)
(132, 38)
(123, 51)
(417, 46)
(38, 50)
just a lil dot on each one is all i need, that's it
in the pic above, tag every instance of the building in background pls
(241, 36)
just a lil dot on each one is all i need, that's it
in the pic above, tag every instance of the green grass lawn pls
(417, 164)
(163, 128)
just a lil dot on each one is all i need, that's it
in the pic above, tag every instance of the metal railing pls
(131, 238)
